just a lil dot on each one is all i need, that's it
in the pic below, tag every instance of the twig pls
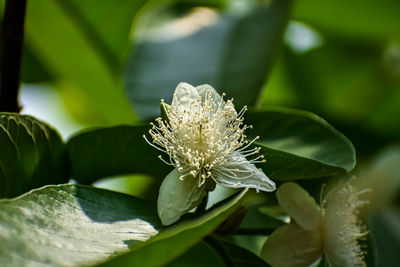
(11, 54)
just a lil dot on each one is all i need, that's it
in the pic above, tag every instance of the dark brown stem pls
(11, 54)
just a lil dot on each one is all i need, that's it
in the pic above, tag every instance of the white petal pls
(299, 205)
(241, 173)
(177, 197)
(223, 112)
(184, 96)
(291, 245)
(205, 88)
(342, 228)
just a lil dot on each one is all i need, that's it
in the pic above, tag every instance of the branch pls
(11, 54)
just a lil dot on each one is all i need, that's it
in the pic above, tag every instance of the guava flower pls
(204, 139)
(332, 230)
(382, 176)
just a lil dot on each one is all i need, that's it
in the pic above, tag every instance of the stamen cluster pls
(342, 228)
(206, 139)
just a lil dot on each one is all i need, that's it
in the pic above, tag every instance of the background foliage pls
(111, 63)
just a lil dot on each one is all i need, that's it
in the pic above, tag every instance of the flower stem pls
(11, 54)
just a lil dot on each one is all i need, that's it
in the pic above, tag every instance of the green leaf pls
(258, 222)
(82, 44)
(234, 255)
(71, 225)
(233, 55)
(364, 77)
(33, 155)
(79, 225)
(32, 70)
(299, 145)
(373, 20)
(158, 251)
(196, 3)
(385, 231)
(112, 151)
(107, 24)
(251, 242)
(198, 256)
(324, 79)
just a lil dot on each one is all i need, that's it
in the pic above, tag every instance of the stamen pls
(202, 139)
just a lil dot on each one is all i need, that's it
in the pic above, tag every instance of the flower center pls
(203, 138)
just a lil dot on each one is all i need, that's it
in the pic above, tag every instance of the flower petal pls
(238, 172)
(177, 197)
(291, 245)
(205, 88)
(299, 205)
(183, 97)
(220, 119)
(341, 227)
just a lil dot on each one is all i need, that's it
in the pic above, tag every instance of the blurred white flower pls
(204, 138)
(332, 230)
(382, 176)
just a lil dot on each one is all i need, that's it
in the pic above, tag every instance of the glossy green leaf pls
(233, 54)
(200, 255)
(112, 151)
(72, 225)
(299, 145)
(82, 43)
(33, 155)
(234, 255)
(178, 238)
(258, 222)
(251, 242)
(373, 20)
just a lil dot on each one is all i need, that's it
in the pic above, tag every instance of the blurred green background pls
(99, 63)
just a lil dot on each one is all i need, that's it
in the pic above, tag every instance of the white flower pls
(204, 138)
(332, 230)
(341, 228)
